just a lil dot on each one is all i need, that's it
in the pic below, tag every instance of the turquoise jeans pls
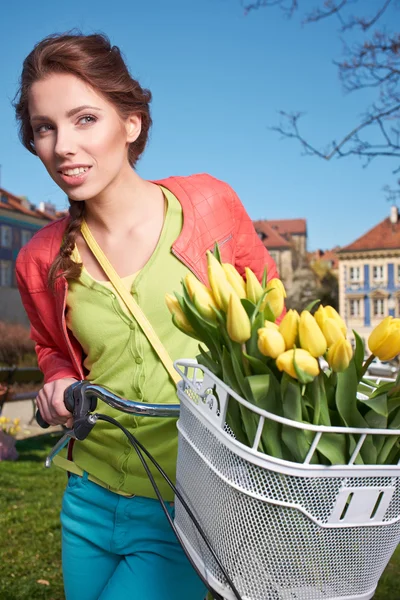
(118, 548)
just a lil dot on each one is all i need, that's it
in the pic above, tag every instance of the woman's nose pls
(65, 144)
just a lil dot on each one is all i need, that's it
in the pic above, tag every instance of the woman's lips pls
(75, 179)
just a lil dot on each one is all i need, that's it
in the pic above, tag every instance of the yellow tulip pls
(220, 286)
(235, 279)
(311, 336)
(331, 331)
(275, 297)
(271, 325)
(333, 314)
(237, 323)
(289, 328)
(178, 316)
(304, 360)
(339, 355)
(320, 316)
(201, 297)
(270, 342)
(384, 340)
(254, 288)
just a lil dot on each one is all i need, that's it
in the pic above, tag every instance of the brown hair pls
(97, 63)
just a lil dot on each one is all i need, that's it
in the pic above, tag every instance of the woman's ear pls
(133, 128)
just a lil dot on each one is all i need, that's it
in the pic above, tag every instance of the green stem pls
(366, 365)
(245, 362)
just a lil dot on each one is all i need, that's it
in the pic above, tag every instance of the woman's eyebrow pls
(70, 113)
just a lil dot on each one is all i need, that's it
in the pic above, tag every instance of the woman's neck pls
(126, 203)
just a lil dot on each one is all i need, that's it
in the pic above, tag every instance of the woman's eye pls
(42, 128)
(87, 119)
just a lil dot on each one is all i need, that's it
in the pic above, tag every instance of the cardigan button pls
(138, 360)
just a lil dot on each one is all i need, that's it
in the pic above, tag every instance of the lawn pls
(30, 499)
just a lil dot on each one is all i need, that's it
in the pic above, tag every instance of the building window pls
(355, 307)
(379, 307)
(5, 236)
(377, 273)
(5, 273)
(398, 272)
(354, 274)
(25, 236)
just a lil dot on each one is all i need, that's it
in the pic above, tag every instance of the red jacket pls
(212, 212)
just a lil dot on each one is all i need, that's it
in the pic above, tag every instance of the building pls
(286, 240)
(19, 220)
(323, 261)
(369, 276)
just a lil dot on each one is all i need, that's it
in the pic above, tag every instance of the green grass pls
(30, 500)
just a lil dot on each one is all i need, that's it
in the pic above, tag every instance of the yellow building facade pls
(369, 276)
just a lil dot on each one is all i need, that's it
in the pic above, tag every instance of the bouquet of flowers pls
(276, 365)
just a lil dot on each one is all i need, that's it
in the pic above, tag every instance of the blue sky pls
(218, 80)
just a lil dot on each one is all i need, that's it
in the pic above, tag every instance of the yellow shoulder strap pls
(131, 304)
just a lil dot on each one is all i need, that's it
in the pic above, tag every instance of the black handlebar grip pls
(40, 421)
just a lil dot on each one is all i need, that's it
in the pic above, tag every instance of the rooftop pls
(14, 203)
(384, 236)
(269, 236)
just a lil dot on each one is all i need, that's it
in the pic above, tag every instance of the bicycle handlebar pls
(81, 397)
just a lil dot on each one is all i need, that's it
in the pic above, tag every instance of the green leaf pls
(217, 253)
(393, 404)
(252, 343)
(266, 397)
(346, 402)
(268, 314)
(249, 419)
(358, 354)
(294, 439)
(258, 366)
(332, 446)
(205, 359)
(264, 277)
(310, 306)
(378, 404)
(233, 414)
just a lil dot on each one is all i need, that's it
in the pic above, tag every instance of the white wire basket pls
(283, 530)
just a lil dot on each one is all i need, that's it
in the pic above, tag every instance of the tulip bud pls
(275, 297)
(235, 279)
(254, 289)
(178, 316)
(320, 316)
(201, 297)
(220, 286)
(384, 340)
(331, 331)
(339, 355)
(289, 328)
(237, 323)
(311, 336)
(304, 361)
(270, 342)
(331, 313)
(271, 325)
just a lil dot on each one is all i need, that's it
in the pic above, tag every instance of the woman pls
(88, 121)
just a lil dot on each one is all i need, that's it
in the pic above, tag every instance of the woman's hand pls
(50, 402)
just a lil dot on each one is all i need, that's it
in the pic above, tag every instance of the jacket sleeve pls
(53, 361)
(249, 249)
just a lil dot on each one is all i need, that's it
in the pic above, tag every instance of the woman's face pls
(79, 136)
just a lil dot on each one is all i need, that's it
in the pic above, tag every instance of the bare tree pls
(373, 63)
